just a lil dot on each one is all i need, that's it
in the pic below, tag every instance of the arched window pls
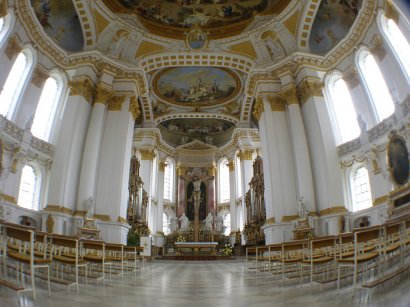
(227, 224)
(14, 84)
(29, 189)
(398, 42)
(362, 198)
(342, 110)
(6, 25)
(224, 192)
(238, 177)
(168, 180)
(376, 85)
(46, 109)
(165, 224)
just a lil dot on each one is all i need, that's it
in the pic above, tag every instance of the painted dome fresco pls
(221, 18)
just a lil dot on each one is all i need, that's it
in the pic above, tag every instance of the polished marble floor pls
(205, 284)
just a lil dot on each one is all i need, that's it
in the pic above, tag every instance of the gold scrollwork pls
(115, 103)
(103, 94)
(258, 108)
(134, 108)
(82, 87)
(245, 155)
(147, 154)
(310, 88)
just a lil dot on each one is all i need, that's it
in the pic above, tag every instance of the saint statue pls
(174, 223)
(184, 222)
(219, 223)
(208, 222)
(303, 212)
(90, 207)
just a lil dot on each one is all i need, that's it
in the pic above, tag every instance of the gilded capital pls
(115, 103)
(181, 171)
(39, 77)
(103, 94)
(134, 108)
(245, 155)
(231, 165)
(162, 164)
(310, 88)
(147, 154)
(13, 48)
(277, 104)
(82, 87)
(258, 108)
(212, 170)
(290, 95)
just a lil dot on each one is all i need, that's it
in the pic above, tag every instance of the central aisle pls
(205, 284)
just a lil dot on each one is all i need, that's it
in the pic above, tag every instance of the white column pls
(160, 195)
(65, 170)
(300, 150)
(92, 148)
(247, 174)
(146, 173)
(232, 191)
(323, 151)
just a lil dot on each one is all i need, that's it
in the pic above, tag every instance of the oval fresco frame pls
(398, 160)
(196, 104)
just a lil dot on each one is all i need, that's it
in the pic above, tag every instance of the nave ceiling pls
(204, 57)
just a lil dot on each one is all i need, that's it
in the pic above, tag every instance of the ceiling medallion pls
(196, 38)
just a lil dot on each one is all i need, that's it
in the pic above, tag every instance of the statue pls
(219, 223)
(303, 212)
(208, 222)
(90, 207)
(174, 224)
(197, 184)
(184, 222)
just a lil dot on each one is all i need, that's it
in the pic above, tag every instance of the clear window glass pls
(28, 197)
(376, 86)
(343, 110)
(14, 82)
(46, 110)
(224, 181)
(361, 189)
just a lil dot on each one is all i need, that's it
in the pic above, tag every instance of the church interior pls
(210, 152)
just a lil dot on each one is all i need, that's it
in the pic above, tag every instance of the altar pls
(196, 248)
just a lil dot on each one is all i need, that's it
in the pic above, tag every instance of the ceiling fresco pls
(333, 21)
(175, 16)
(181, 131)
(196, 85)
(59, 20)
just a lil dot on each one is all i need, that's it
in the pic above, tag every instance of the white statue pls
(303, 212)
(173, 224)
(219, 223)
(90, 207)
(208, 222)
(184, 222)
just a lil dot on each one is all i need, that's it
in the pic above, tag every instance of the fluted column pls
(232, 192)
(92, 148)
(247, 173)
(181, 205)
(147, 169)
(160, 194)
(211, 199)
(300, 149)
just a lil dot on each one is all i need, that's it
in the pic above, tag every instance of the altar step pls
(195, 257)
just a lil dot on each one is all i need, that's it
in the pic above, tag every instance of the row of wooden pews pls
(60, 259)
(374, 255)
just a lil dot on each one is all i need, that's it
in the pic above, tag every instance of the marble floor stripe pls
(204, 284)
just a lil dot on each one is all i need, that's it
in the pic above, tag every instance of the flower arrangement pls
(181, 239)
(227, 251)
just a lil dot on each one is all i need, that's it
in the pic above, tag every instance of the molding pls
(58, 208)
(102, 217)
(80, 213)
(9, 198)
(381, 200)
(333, 210)
(270, 221)
(289, 218)
(122, 220)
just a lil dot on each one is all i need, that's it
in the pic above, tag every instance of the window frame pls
(37, 197)
(223, 164)
(170, 165)
(353, 187)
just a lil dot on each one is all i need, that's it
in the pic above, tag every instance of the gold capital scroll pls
(147, 154)
(103, 94)
(290, 95)
(181, 171)
(13, 48)
(310, 88)
(231, 165)
(245, 155)
(134, 108)
(82, 87)
(277, 103)
(162, 164)
(115, 103)
(258, 108)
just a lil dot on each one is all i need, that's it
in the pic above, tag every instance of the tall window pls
(398, 42)
(46, 109)
(238, 177)
(362, 198)
(14, 84)
(376, 85)
(227, 224)
(165, 224)
(29, 185)
(224, 192)
(342, 110)
(168, 180)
